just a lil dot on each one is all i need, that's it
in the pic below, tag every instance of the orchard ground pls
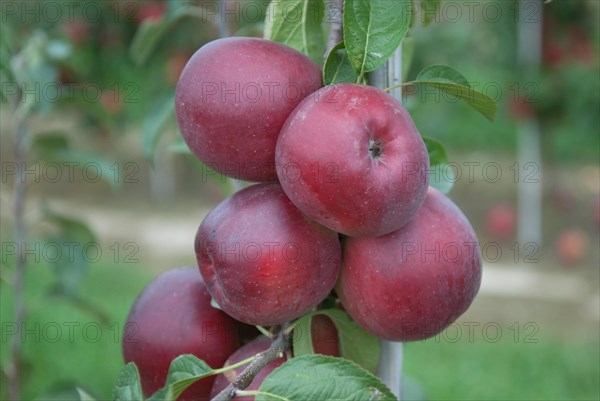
(532, 333)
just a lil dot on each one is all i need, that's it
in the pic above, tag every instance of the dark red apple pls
(173, 316)
(351, 158)
(260, 344)
(232, 99)
(501, 221)
(413, 283)
(324, 336)
(263, 261)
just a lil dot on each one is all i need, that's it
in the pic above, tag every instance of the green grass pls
(551, 369)
(88, 351)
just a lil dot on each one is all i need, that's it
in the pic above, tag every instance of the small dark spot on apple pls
(375, 149)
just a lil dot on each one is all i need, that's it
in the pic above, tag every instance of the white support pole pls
(390, 364)
(529, 159)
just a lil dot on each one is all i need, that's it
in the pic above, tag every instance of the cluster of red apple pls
(344, 202)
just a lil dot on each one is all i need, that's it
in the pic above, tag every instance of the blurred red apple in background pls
(501, 221)
(150, 10)
(572, 246)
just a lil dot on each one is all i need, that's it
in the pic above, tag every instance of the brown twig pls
(276, 349)
(335, 12)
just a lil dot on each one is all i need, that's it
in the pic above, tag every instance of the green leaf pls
(154, 126)
(69, 227)
(373, 30)
(69, 251)
(450, 81)
(179, 146)
(147, 37)
(442, 73)
(438, 164)
(298, 24)
(337, 67)
(94, 166)
(429, 9)
(355, 343)
(184, 371)
(84, 396)
(408, 51)
(47, 144)
(127, 386)
(318, 378)
(150, 32)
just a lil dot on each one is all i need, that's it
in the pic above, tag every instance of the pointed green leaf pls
(127, 386)
(151, 32)
(450, 81)
(179, 146)
(47, 144)
(154, 126)
(373, 30)
(355, 343)
(337, 67)
(84, 396)
(438, 164)
(184, 371)
(297, 23)
(429, 9)
(408, 51)
(95, 167)
(442, 73)
(70, 227)
(318, 378)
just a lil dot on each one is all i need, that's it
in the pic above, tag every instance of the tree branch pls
(14, 385)
(278, 346)
(335, 12)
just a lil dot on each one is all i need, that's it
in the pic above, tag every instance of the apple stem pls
(279, 345)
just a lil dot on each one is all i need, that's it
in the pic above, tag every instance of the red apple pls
(234, 96)
(413, 283)
(520, 109)
(152, 11)
(501, 221)
(111, 101)
(260, 344)
(351, 158)
(324, 336)
(173, 316)
(78, 31)
(263, 261)
(571, 246)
